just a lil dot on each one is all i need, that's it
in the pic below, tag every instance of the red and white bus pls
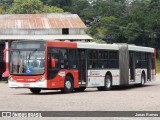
(51, 65)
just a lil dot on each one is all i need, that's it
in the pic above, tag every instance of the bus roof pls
(114, 47)
(140, 48)
(92, 45)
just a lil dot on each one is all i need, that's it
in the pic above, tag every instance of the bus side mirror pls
(53, 63)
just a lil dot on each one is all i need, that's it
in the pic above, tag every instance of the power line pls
(139, 30)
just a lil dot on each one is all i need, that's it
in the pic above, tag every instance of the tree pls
(5, 3)
(135, 22)
(106, 16)
(155, 6)
(26, 7)
(32, 7)
(52, 9)
(109, 7)
(131, 32)
(58, 3)
(2, 11)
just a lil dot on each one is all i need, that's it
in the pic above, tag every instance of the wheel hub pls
(142, 80)
(68, 84)
(108, 83)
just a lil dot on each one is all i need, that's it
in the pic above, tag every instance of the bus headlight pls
(41, 79)
(11, 79)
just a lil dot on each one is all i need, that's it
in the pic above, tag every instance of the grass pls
(158, 65)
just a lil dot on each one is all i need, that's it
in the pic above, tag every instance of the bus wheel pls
(68, 85)
(142, 80)
(35, 90)
(108, 82)
(81, 89)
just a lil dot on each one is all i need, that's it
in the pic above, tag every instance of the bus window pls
(72, 58)
(63, 58)
(113, 60)
(138, 60)
(143, 60)
(54, 54)
(92, 59)
(101, 59)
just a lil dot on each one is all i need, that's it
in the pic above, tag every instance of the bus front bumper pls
(38, 84)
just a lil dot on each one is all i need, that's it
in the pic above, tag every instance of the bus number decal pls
(95, 73)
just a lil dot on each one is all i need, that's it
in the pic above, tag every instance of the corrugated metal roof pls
(40, 21)
(45, 37)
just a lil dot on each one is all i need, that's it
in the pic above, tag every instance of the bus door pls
(149, 66)
(82, 66)
(132, 66)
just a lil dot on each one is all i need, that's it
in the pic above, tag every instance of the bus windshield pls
(27, 62)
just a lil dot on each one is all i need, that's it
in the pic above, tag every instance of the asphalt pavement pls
(130, 98)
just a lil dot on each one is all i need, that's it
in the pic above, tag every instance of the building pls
(39, 26)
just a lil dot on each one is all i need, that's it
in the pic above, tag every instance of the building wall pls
(57, 31)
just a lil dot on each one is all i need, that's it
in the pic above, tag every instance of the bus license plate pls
(26, 85)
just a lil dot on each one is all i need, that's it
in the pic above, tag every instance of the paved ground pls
(145, 98)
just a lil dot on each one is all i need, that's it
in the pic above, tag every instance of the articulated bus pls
(75, 66)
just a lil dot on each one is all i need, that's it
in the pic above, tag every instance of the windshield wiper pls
(30, 55)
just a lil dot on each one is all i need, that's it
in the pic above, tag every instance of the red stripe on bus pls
(62, 44)
(96, 76)
(104, 76)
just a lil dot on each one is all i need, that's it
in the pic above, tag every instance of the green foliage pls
(109, 7)
(66, 5)
(131, 32)
(158, 65)
(58, 3)
(2, 10)
(82, 8)
(52, 9)
(5, 3)
(107, 19)
(26, 7)
(103, 27)
(137, 22)
(31, 7)
(99, 41)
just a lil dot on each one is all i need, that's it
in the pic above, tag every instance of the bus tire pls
(108, 83)
(35, 90)
(81, 89)
(142, 80)
(68, 85)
